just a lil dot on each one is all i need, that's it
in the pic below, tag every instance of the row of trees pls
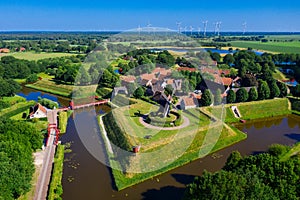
(264, 91)
(261, 176)
(52, 42)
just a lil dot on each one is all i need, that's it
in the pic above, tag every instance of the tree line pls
(262, 176)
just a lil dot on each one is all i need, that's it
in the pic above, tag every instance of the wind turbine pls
(148, 27)
(139, 29)
(185, 28)
(199, 30)
(244, 27)
(205, 27)
(179, 27)
(219, 27)
(191, 29)
(216, 27)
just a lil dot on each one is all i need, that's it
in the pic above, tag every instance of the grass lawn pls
(13, 100)
(37, 56)
(55, 188)
(276, 47)
(16, 109)
(47, 85)
(295, 150)
(255, 109)
(63, 121)
(278, 75)
(166, 149)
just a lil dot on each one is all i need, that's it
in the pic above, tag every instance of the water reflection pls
(93, 180)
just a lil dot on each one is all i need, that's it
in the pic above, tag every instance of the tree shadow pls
(293, 136)
(254, 153)
(168, 192)
(183, 178)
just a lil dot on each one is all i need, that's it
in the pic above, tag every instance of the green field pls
(16, 109)
(275, 47)
(278, 75)
(52, 87)
(295, 150)
(255, 109)
(36, 56)
(163, 151)
(283, 38)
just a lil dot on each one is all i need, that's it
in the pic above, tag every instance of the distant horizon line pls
(103, 31)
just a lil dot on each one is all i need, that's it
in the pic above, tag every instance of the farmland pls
(275, 47)
(36, 56)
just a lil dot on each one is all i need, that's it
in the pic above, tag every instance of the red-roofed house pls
(226, 81)
(128, 79)
(224, 72)
(146, 79)
(187, 69)
(4, 50)
(38, 111)
(188, 103)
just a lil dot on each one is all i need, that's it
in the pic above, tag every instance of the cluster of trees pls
(64, 69)
(183, 62)
(52, 42)
(191, 80)
(262, 176)
(47, 103)
(18, 139)
(11, 68)
(8, 87)
(234, 38)
(264, 91)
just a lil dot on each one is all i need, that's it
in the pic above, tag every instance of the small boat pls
(242, 121)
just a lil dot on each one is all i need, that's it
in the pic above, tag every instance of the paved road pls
(44, 178)
(52, 116)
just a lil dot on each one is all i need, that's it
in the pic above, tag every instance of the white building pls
(38, 111)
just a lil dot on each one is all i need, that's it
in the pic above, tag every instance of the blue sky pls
(122, 15)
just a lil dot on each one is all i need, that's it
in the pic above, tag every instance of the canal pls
(84, 177)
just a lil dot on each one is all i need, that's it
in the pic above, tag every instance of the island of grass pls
(164, 148)
(157, 119)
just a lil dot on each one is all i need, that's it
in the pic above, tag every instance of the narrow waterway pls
(84, 177)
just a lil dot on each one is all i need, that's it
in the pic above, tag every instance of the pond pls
(84, 177)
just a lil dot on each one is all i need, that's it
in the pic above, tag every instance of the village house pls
(188, 103)
(127, 79)
(4, 50)
(38, 111)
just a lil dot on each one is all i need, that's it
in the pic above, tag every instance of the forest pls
(261, 176)
(18, 140)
